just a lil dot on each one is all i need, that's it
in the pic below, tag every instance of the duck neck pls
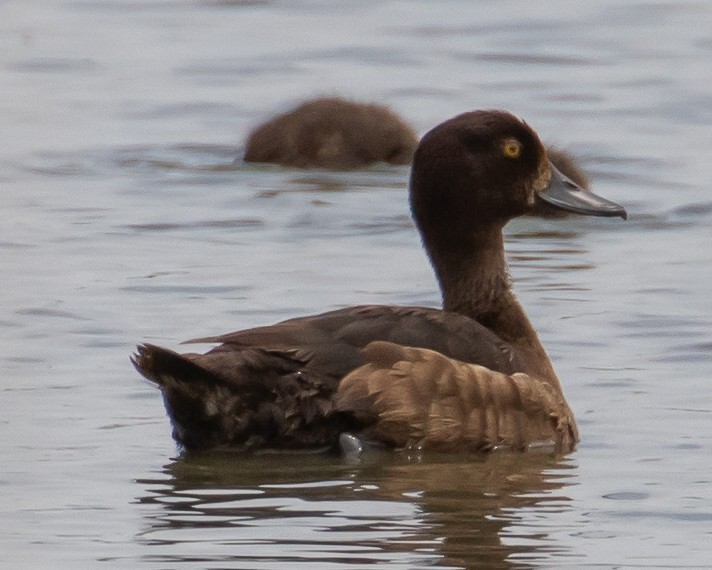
(474, 281)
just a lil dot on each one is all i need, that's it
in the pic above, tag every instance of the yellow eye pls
(512, 148)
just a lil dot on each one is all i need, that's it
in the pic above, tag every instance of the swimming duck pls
(333, 133)
(472, 376)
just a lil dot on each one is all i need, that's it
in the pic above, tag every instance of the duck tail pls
(194, 397)
(163, 366)
(242, 399)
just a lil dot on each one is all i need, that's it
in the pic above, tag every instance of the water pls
(124, 220)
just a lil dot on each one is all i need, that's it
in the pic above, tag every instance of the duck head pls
(483, 168)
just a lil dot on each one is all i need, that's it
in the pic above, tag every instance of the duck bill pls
(565, 194)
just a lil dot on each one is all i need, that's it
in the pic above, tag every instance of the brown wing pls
(414, 396)
(334, 340)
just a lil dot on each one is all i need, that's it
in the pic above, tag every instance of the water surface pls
(126, 219)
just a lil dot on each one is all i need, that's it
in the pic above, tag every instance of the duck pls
(341, 134)
(471, 376)
(332, 133)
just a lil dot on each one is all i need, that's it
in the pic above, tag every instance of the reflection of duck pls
(444, 510)
(333, 133)
(477, 509)
(302, 382)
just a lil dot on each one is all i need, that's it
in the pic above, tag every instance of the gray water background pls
(123, 219)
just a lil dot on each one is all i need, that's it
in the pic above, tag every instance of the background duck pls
(301, 383)
(333, 133)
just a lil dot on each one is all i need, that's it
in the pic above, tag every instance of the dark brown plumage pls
(332, 133)
(473, 376)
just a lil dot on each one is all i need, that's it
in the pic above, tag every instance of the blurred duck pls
(566, 163)
(470, 377)
(333, 133)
